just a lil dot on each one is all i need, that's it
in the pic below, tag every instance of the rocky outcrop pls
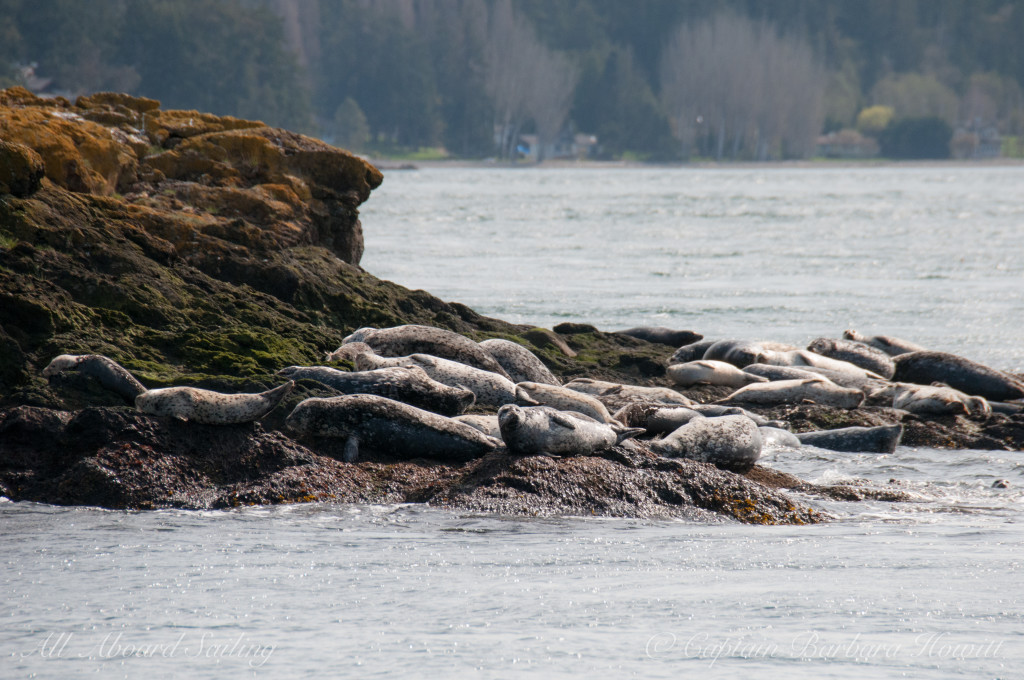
(117, 458)
(212, 251)
(198, 182)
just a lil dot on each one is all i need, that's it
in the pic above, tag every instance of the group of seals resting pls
(413, 382)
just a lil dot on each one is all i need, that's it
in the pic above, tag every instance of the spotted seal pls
(400, 341)
(662, 336)
(561, 398)
(387, 426)
(691, 352)
(857, 353)
(742, 353)
(925, 368)
(533, 430)
(655, 419)
(616, 395)
(519, 363)
(107, 372)
(410, 385)
(882, 439)
(348, 352)
(816, 390)
(487, 424)
(209, 407)
(890, 345)
(801, 358)
(710, 372)
(728, 442)
(491, 390)
(933, 400)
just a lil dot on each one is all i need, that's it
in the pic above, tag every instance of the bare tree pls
(525, 81)
(731, 80)
(550, 96)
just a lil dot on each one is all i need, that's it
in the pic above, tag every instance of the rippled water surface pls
(927, 589)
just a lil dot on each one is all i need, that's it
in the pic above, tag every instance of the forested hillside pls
(649, 79)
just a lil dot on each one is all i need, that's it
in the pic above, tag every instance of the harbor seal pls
(882, 439)
(400, 341)
(491, 390)
(107, 372)
(209, 407)
(710, 372)
(691, 352)
(774, 373)
(519, 363)
(617, 395)
(925, 368)
(739, 353)
(818, 390)
(890, 345)
(661, 335)
(656, 419)
(933, 400)
(779, 438)
(561, 398)
(410, 385)
(854, 380)
(730, 442)
(801, 358)
(857, 353)
(375, 423)
(534, 430)
(348, 352)
(717, 410)
(742, 353)
(484, 423)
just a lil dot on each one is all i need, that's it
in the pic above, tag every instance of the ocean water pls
(926, 589)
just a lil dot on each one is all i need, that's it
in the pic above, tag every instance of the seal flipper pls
(351, 450)
(276, 396)
(564, 421)
(524, 399)
(622, 434)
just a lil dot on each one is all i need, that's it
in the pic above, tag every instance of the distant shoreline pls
(397, 164)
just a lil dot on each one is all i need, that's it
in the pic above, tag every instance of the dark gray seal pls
(107, 372)
(520, 363)
(742, 353)
(883, 439)
(533, 430)
(739, 353)
(209, 407)
(409, 385)
(925, 368)
(400, 341)
(890, 345)
(857, 353)
(388, 426)
(661, 335)
(692, 352)
(729, 442)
